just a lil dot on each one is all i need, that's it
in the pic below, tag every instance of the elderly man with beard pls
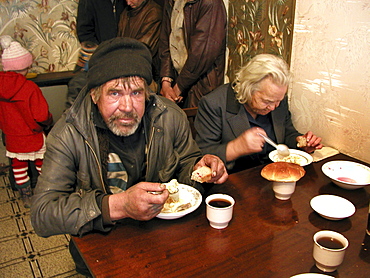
(116, 144)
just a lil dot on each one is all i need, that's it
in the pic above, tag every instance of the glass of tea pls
(219, 210)
(329, 249)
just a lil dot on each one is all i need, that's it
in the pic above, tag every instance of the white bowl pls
(187, 194)
(347, 174)
(296, 156)
(332, 207)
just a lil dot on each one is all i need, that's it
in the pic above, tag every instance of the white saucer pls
(332, 207)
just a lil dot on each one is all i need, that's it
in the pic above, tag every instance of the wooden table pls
(266, 237)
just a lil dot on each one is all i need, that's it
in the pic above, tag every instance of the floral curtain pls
(258, 27)
(47, 28)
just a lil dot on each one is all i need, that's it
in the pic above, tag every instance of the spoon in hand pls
(282, 149)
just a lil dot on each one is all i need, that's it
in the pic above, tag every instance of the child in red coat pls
(24, 114)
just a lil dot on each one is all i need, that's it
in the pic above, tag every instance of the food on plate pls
(171, 207)
(190, 200)
(302, 142)
(172, 186)
(173, 202)
(283, 172)
(293, 158)
(202, 174)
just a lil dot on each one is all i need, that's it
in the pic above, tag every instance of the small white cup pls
(327, 257)
(219, 210)
(283, 190)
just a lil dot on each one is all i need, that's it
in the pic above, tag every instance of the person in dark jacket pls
(79, 80)
(97, 20)
(192, 49)
(141, 20)
(115, 146)
(229, 119)
(24, 115)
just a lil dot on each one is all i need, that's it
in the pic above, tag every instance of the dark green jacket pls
(67, 193)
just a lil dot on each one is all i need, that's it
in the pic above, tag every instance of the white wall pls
(330, 94)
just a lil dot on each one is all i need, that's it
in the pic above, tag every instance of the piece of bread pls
(283, 172)
(302, 142)
(202, 174)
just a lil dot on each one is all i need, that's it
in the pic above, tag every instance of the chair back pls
(191, 113)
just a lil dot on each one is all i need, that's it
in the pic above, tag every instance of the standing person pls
(192, 49)
(24, 115)
(229, 119)
(141, 20)
(79, 80)
(97, 20)
(115, 145)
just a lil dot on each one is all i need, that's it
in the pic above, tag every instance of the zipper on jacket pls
(99, 166)
(147, 147)
(114, 9)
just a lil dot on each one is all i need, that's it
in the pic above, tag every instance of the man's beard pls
(122, 129)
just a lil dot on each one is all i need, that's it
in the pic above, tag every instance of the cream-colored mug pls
(329, 249)
(219, 210)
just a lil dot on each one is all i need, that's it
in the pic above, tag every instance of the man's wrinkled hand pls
(219, 172)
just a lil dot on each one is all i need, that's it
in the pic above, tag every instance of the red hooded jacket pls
(24, 113)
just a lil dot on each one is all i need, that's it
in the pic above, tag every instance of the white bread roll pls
(283, 172)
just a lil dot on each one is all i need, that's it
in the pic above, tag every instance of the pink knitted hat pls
(14, 57)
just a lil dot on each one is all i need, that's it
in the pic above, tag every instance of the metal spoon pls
(282, 149)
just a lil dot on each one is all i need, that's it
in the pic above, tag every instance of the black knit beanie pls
(119, 57)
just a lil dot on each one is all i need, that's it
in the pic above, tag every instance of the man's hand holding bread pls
(210, 169)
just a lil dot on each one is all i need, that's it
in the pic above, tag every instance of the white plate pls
(347, 174)
(295, 156)
(311, 275)
(187, 194)
(332, 207)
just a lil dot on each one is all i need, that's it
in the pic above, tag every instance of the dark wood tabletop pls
(266, 237)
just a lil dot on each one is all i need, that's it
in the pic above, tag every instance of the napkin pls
(325, 152)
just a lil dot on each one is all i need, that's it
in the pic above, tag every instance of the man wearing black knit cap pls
(116, 144)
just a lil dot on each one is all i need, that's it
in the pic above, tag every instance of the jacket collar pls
(134, 12)
(232, 104)
(236, 116)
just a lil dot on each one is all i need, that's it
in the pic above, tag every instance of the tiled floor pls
(23, 253)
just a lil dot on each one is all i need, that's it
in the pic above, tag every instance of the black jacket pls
(97, 20)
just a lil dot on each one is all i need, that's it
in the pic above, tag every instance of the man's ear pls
(93, 96)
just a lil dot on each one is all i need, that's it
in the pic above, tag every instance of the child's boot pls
(26, 194)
